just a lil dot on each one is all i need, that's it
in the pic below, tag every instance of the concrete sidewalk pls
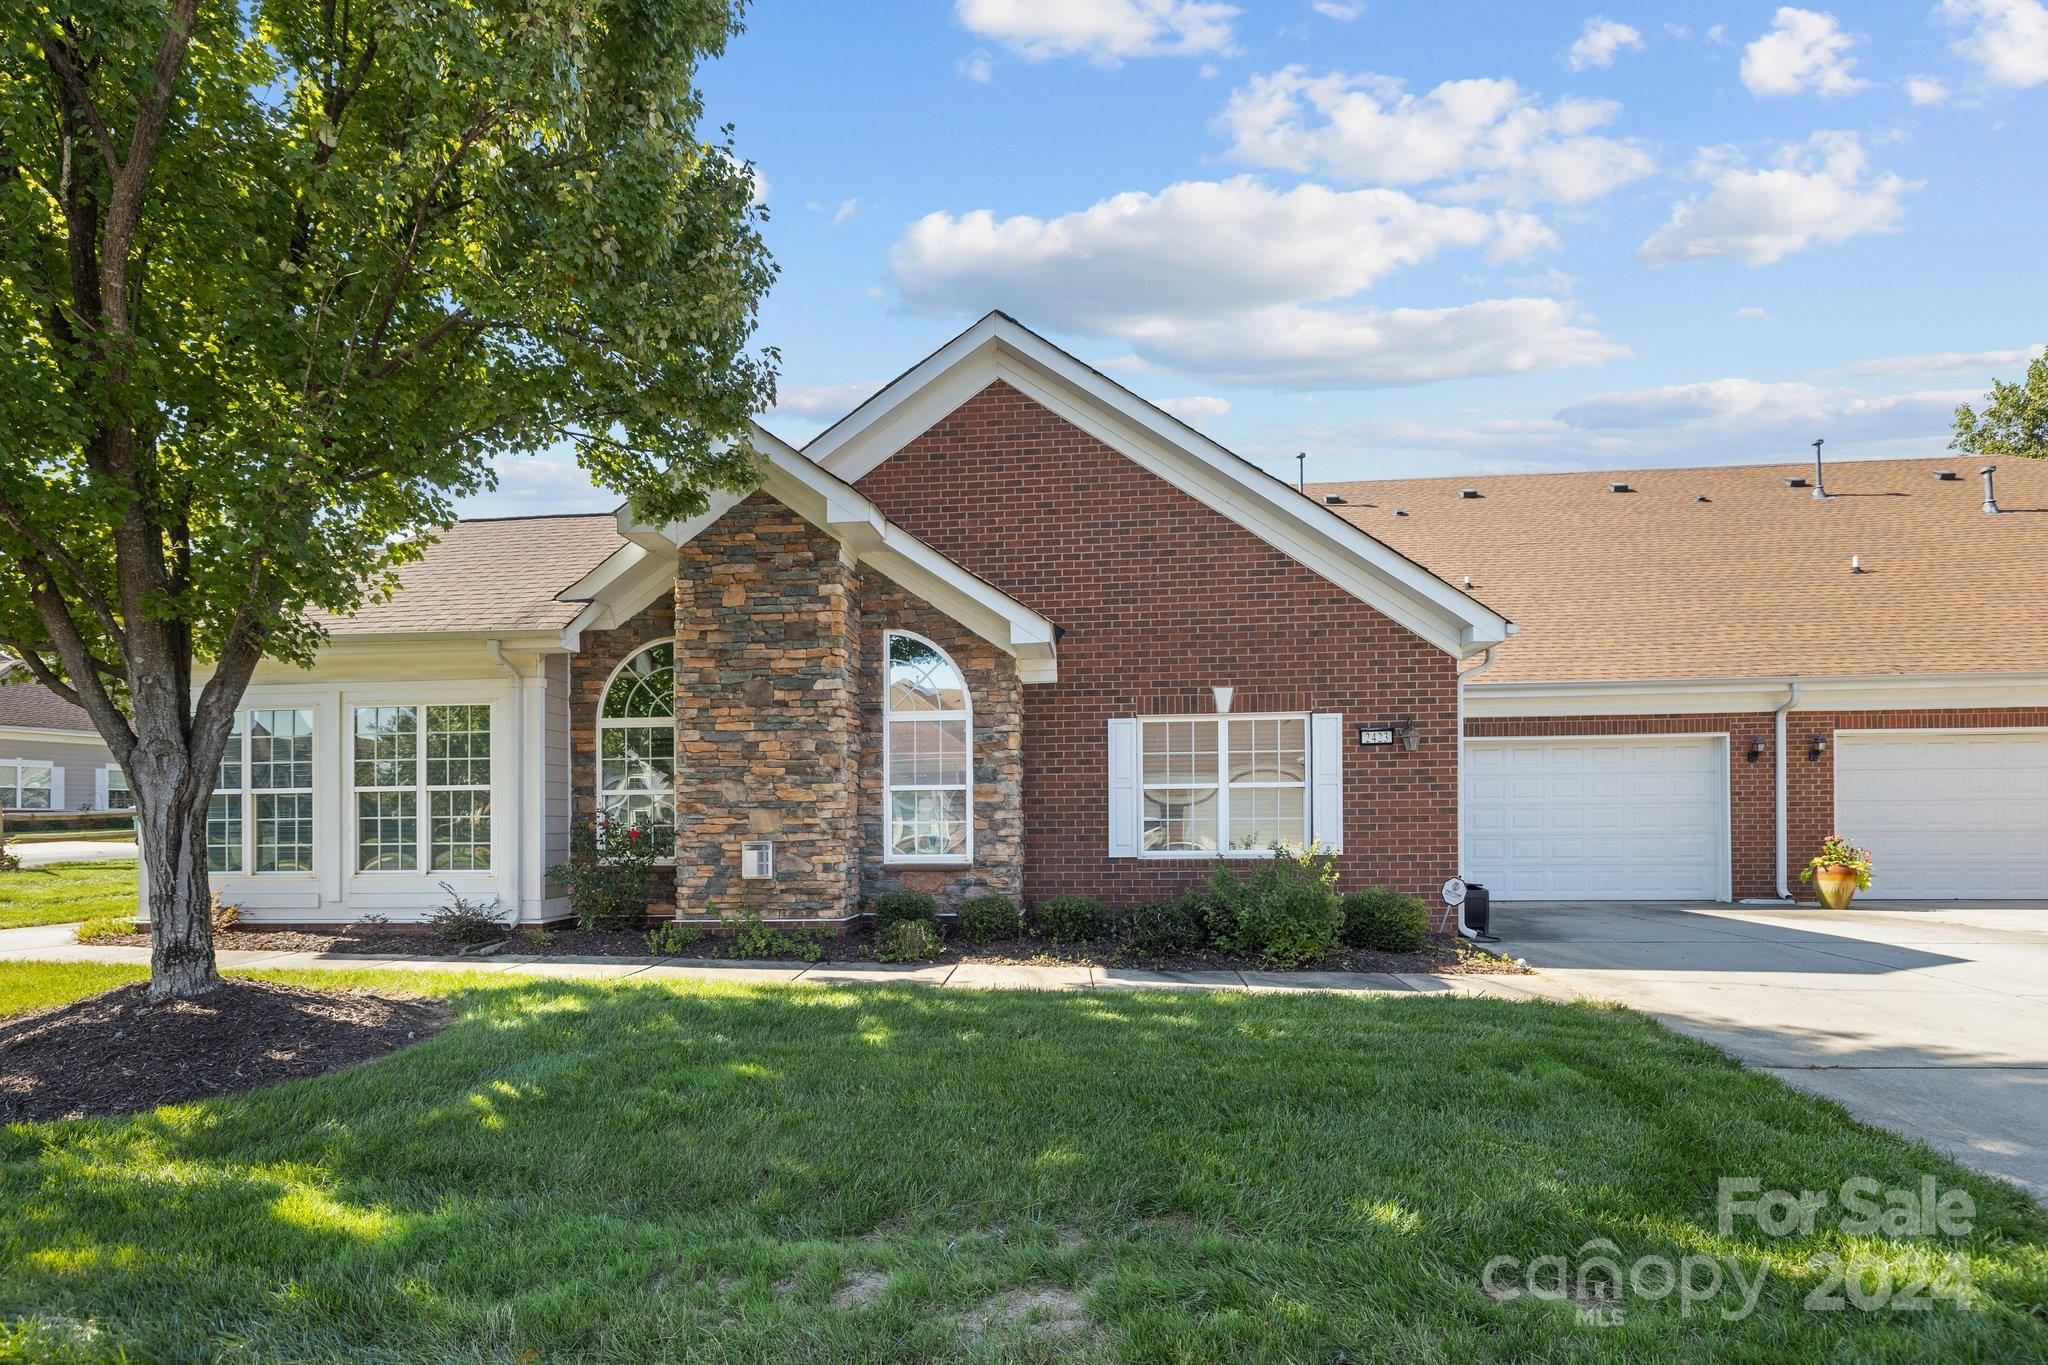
(58, 943)
(47, 852)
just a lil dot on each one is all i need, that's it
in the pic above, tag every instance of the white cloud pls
(1294, 347)
(1947, 362)
(1754, 314)
(1818, 192)
(1475, 138)
(1103, 31)
(1599, 41)
(1925, 90)
(838, 213)
(977, 66)
(1805, 50)
(824, 402)
(1197, 248)
(1195, 406)
(2007, 38)
(1334, 9)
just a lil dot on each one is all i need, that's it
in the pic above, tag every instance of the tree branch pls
(124, 209)
(61, 61)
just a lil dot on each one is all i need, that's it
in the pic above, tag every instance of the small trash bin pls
(1478, 909)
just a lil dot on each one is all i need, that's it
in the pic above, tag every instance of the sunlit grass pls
(35, 985)
(58, 893)
(582, 1170)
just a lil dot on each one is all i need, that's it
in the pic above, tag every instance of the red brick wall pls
(1809, 783)
(1161, 599)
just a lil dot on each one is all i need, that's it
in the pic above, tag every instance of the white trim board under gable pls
(627, 583)
(998, 347)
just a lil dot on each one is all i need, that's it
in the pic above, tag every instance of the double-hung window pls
(260, 816)
(26, 784)
(414, 759)
(115, 796)
(928, 774)
(1210, 786)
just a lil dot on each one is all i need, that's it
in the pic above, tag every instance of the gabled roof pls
(496, 574)
(1752, 582)
(634, 575)
(28, 705)
(999, 347)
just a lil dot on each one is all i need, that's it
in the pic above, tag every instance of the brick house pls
(1007, 627)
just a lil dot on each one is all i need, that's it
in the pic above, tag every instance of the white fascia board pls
(614, 566)
(867, 537)
(1682, 696)
(645, 581)
(999, 348)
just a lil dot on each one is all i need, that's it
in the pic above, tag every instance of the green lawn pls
(34, 985)
(576, 1170)
(62, 892)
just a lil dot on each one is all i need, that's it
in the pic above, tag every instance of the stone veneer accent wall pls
(998, 701)
(767, 658)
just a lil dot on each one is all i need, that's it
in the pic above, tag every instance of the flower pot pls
(1836, 886)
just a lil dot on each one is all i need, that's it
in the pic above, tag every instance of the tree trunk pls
(172, 836)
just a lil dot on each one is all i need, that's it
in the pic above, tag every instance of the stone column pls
(767, 727)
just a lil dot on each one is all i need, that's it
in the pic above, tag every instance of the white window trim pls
(422, 793)
(1224, 784)
(890, 858)
(605, 723)
(103, 788)
(13, 788)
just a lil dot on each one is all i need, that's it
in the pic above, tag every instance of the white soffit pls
(998, 347)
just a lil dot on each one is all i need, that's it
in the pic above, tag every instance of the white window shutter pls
(1123, 788)
(1326, 779)
(99, 789)
(56, 785)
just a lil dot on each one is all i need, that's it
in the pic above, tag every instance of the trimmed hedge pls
(1385, 920)
(1163, 928)
(899, 907)
(987, 919)
(1068, 919)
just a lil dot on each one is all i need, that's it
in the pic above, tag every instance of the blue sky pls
(1409, 238)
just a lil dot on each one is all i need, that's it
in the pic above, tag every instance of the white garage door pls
(1946, 814)
(1597, 819)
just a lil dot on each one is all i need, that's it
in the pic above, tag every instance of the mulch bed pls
(1442, 956)
(117, 1053)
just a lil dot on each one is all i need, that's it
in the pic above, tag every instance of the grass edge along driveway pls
(628, 1171)
(59, 893)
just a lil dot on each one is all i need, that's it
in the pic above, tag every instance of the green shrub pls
(671, 937)
(753, 939)
(1163, 928)
(1287, 913)
(908, 940)
(906, 907)
(467, 922)
(1221, 903)
(609, 871)
(987, 919)
(1068, 919)
(1385, 920)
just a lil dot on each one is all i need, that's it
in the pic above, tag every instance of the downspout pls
(518, 769)
(1792, 690)
(1486, 661)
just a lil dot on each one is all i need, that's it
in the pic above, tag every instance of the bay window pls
(927, 769)
(260, 816)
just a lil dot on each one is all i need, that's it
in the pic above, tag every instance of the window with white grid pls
(280, 772)
(636, 745)
(458, 773)
(224, 852)
(25, 784)
(1222, 784)
(433, 759)
(927, 766)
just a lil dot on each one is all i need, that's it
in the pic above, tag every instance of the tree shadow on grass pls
(617, 1171)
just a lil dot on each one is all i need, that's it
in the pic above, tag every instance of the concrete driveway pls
(1932, 1022)
(43, 853)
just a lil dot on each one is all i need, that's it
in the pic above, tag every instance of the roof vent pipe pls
(1990, 495)
(1820, 483)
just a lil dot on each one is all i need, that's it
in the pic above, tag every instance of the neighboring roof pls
(492, 574)
(32, 706)
(999, 347)
(616, 589)
(1753, 582)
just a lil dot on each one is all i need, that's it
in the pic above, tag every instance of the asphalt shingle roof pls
(35, 707)
(499, 573)
(1754, 581)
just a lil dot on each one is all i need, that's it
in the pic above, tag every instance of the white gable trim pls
(998, 347)
(865, 536)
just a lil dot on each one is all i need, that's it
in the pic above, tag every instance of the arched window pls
(927, 771)
(636, 744)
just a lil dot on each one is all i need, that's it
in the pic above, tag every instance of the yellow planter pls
(1836, 885)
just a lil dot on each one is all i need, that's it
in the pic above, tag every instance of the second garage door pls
(1597, 819)
(1947, 814)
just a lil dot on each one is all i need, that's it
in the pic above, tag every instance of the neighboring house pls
(1007, 627)
(1716, 669)
(51, 759)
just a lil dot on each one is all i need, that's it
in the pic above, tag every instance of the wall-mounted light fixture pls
(1756, 748)
(1222, 696)
(1817, 748)
(1409, 738)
